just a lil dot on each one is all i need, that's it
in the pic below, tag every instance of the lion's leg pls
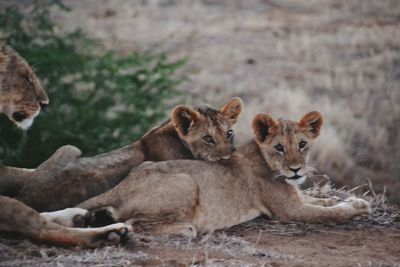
(20, 182)
(13, 179)
(108, 215)
(147, 196)
(19, 218)
(86, 237)
(341, 212)
(80, 179)
(33, 185)
(60, 158)
(325, 202)
(36, 191)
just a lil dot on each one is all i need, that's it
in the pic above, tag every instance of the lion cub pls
(191, 133)
(186, 197)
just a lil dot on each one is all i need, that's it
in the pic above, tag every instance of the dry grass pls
(382, 213)
(282, 57)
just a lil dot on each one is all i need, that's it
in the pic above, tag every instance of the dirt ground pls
(282, 57)
(257, 243)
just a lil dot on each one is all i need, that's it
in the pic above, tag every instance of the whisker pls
(277, 175)
(311, 170)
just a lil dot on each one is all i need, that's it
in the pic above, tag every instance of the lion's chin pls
(25, 124)
(296, 180)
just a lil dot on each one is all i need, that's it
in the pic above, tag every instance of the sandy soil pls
(282, 57)
(258, 243)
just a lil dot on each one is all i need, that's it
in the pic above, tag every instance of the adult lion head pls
(21, 95)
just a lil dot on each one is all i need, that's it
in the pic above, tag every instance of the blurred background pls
(114, 68)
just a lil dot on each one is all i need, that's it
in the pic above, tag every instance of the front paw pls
(331, 201)
(188, 230)
(361, 206)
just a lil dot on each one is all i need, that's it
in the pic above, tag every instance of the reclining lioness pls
(186, 197)
(21, 100)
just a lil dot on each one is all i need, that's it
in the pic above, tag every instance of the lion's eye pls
(279, 148)
(302, 144)
(208, 139)
(229, 134)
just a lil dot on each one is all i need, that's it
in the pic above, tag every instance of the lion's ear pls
(183, 118)
(263, 127)
(311, 123)
(232, 109)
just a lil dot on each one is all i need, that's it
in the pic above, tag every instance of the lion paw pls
(189, 231)
(182, 229)
(108, 235)
(117, 233)
(361, 206)
(331, 201)
(69, 217)
(101, 217)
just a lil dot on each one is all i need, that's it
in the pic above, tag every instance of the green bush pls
(98, 100)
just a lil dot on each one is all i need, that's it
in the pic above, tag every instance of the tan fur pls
(269, 133)
(187, 197)
(65, 179)
(26, 96)
(193, 124)
(19, 218)
(21, 94)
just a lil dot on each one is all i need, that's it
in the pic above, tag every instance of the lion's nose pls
(295, 170)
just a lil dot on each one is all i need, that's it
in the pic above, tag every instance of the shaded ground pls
(258, 243)
(282, 57)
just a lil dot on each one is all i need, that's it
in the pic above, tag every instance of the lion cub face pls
(206, 132)
(285, 144)
(21, 95)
